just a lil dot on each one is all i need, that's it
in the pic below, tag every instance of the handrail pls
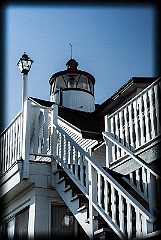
(1, 134)
(130, 153)
(11, 144)
(135, 97)
(104, 179)
(136, 123)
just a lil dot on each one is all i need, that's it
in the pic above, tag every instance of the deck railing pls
(136, 123)
(11, 144)
(144, 180)
(107, 196)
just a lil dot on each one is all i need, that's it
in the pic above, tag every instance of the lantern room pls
(73, 88)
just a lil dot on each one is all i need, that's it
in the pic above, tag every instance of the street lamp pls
(24, 65)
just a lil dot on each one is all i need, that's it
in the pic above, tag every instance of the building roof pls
(89, 124)
(121, 95)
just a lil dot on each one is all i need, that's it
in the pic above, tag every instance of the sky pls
(113, 43)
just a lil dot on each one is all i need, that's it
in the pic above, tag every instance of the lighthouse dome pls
(73, 88)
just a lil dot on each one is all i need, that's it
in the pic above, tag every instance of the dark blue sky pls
(112, 43)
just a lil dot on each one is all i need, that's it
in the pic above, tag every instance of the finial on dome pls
(71, 49)
(72, 64)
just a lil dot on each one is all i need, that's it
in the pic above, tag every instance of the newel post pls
(54, 122)
(109, 143)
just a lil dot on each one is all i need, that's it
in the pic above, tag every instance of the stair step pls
(105, 233)
(61, 180)
(78, 196)
(85, 206)
(101, 231)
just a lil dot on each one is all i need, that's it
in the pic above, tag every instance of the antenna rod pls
(71, 49)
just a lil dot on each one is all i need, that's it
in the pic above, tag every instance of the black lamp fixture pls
(24, 64)
(71, 82)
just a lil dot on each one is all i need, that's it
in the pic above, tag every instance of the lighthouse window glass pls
(60, 83)
(83, 83)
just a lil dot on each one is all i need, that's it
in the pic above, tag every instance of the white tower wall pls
(78, 100)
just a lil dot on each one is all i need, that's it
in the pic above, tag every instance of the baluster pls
(145, 184)
(121, 132)
(109, 147)
(136, 127)
(81, 169)
(20, 135)
(126, 128)
(71, 157)
(113, 134)
(45, 132)
(157, 109)
(138, 224)
(36, 130)
(58, 144)
(8, 148)
(12, 145)
(142, 138)
(117, 149)
(92, 199)
(106, 198)
(86, 176)
(138, 179)
(131, 128)
(152, 114)
(113, 203)
(151, 180)
(66, 152)
(131, 178)
(5, 151)
(121, 214)
(76, 163)
(144, 225)
(62, 147)
(129, 220)
(1, 154)
(146, 114)
(15, 139)
(99, 186)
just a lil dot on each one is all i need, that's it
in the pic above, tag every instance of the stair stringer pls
(81, 216)
(144, 220)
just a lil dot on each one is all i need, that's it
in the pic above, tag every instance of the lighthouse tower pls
(73, 88)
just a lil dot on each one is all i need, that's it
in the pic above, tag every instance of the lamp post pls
(24, 65)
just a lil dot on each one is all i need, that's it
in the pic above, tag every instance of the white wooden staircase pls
(97, 200)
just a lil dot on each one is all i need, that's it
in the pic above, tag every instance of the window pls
(7, 229)
(64, 225)
(62, 222)
(21, 224)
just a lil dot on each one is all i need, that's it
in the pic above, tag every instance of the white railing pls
(40, 142)
(127, 217)
(144, 180)
(140, 180)
(135, 123)
(11, 144)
